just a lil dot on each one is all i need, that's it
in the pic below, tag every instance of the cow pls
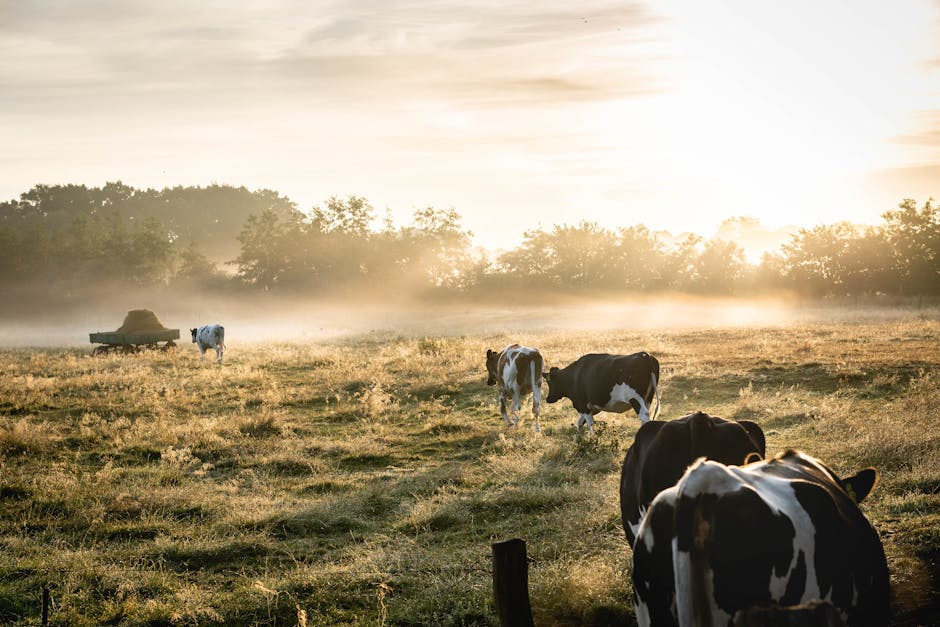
(603, 382)
(516, 371)
(661, 452)
(210, 336)
(779, 532)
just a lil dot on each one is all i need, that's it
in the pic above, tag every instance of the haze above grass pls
(259, 319)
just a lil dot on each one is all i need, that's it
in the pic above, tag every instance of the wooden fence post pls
(45, 606)
(511, 583)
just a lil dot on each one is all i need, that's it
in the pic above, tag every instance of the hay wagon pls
(141, 329)
(113, 341)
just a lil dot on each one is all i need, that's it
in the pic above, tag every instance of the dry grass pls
(363, 481)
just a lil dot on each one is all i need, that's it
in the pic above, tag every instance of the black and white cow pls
(516, 371)
(210, 336)
(780, 532)
(662, 451)
(604, 382)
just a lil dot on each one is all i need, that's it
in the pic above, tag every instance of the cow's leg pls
(655, 393)
(218, 353)
(590, 424)
(501, 393)
(537, 407)
(516, 405)
(586, 417)
(202, 352)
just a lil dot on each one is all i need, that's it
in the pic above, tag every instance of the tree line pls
(223, 237)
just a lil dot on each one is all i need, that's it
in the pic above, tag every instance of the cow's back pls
(662, 451)
(519, 366)
(211, 335)
(596, 373)
(776, 532)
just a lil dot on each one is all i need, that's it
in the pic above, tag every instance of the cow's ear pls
(860, 485)
(547, 375)
(489, 353)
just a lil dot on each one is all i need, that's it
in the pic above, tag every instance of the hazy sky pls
(676, 114)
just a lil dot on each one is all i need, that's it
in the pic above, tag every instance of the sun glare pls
(772, 111)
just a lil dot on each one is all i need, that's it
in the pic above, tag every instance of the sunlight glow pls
(772, 115)
(677, 114)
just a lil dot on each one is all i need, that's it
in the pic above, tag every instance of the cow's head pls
(193, 331)
(556, 387)
(492, 358)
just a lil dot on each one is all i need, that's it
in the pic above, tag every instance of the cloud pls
(918, 178)
(887, 187)
(56, 56)
(927, 134)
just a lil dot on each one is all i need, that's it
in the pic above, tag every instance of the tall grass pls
(362, 481)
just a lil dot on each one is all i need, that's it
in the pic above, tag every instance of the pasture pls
(361, 480)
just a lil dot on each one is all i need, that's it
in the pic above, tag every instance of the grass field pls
(362, 480)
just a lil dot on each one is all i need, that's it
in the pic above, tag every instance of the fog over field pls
(256, 320)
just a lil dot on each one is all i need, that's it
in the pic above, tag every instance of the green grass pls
(362, 481)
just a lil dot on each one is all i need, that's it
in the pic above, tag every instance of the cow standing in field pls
(210, 336)
(603, 382)
(777, 533)
(516, 371)
(662, 451)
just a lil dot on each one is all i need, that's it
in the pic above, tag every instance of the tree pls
(262, 260)
(348, 217)
(641, 259)
(867, 264)
(719, 267)
(150, 253)
(815, 259)
(914, 237)
(439, 244)
(570, 256)
(528, 262)
(769, 275)
(679, 271)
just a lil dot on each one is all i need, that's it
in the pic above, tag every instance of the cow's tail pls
(690, 561)
(535, 371)
(652, 390)
(698, 562)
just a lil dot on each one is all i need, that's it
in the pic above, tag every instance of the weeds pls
(362, 482)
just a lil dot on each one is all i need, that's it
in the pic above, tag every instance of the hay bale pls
(141, 321)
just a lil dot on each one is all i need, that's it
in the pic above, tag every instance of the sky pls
(676, 114)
